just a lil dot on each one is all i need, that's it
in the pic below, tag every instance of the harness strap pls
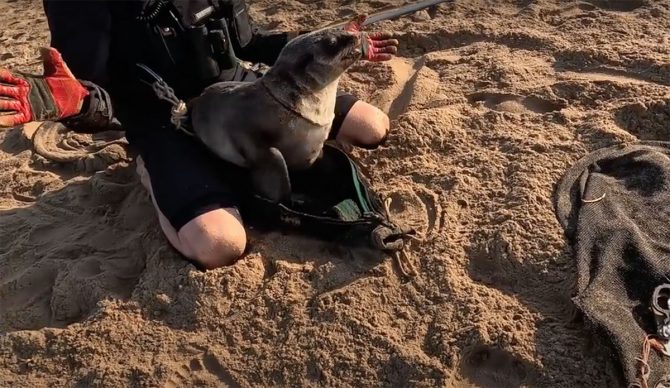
(179, 109)
(164, 92)
(289, 108)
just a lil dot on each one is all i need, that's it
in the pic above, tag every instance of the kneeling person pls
(195, 194)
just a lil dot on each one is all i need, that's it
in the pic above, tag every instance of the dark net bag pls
(614, 205)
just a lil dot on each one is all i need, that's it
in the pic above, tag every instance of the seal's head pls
(319, 57)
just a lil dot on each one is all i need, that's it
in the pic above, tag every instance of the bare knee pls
(214, 239)
(365, 126)
(376, 129)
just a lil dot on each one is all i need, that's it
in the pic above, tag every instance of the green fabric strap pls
(347, 210)
(362, 198)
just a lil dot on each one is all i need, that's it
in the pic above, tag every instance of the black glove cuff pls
(97, 112)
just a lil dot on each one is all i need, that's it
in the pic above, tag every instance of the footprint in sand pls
(413, 83)
(54, 293)
(578, 8)
(647, 121)
(62, 260)
(488, 366)
(206, 368)
(490, 262)
(82, 284)
(605, 75)
(514, 103)
(25, 296)
(418, 208)
(571, 11)
(581, 5)
(618, 5)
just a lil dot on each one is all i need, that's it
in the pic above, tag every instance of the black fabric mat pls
(614, 205)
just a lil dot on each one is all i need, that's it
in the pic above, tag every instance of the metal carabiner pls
(660, 304)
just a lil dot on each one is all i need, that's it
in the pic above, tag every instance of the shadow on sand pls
(98, 238)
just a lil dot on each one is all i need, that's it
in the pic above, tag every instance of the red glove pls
(52, 96)
(376, 46)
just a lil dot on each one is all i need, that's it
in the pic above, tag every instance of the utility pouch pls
(241, 22)
(219, 40)
(188, 55)
(204, 63)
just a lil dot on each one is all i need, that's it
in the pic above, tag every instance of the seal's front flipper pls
(270, 177)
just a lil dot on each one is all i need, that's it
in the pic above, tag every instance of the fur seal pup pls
(280, 121)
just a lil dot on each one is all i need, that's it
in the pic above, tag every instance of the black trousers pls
(187, 180)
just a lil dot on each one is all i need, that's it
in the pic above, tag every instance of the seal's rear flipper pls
(269, 175)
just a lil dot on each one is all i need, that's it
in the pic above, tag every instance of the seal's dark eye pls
(331, 45)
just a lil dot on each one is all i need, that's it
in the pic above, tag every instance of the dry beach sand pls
(491, 101)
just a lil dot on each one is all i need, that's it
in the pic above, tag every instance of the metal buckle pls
(660, 304)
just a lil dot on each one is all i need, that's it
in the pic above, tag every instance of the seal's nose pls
(357, 40)
(355, 35)
(357, 43)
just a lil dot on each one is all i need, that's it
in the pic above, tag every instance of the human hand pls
(378, 46)
(54, 95)
(354, 24)
(375, 46)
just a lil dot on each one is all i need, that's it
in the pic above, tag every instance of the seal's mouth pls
(355, 49)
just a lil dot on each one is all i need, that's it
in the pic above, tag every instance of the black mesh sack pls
(614, 205)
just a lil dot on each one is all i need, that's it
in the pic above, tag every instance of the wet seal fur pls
(280, 121)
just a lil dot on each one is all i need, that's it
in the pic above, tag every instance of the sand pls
(490, 102)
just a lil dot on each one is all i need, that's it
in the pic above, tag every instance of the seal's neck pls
(305, 93)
